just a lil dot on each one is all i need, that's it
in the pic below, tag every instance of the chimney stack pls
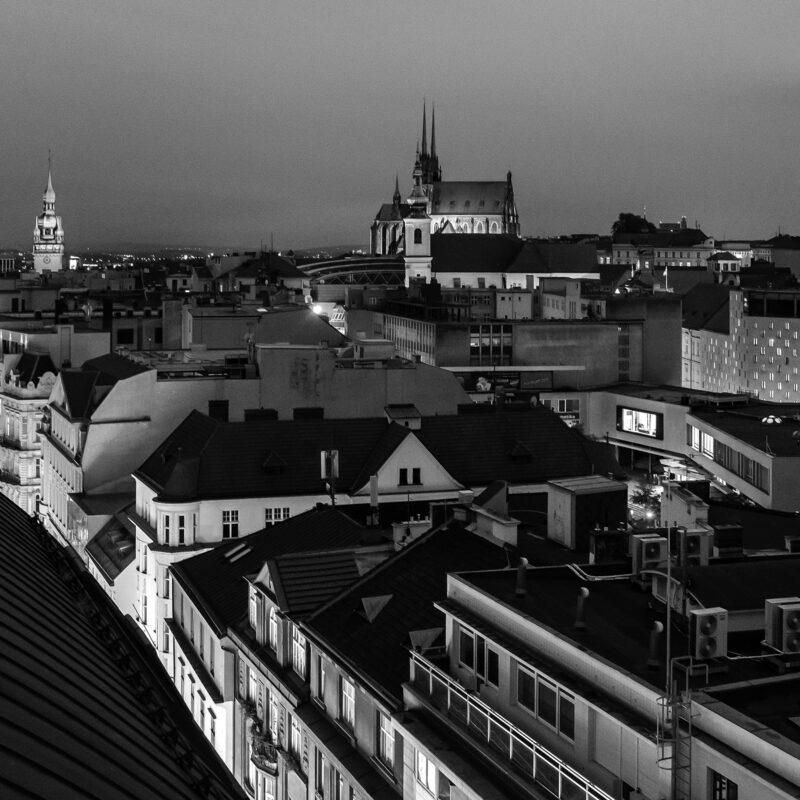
(522, 575)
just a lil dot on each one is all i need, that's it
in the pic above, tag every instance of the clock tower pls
(48, 235)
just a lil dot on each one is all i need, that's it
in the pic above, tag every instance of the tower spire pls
(424, 130)
(433, 131)
(396, 197)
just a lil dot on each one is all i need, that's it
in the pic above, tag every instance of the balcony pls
(264, 754)
(515, 751)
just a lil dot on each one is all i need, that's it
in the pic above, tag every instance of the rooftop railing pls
(517, 751)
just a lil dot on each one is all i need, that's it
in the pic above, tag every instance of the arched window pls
(417, 235)
(495, 227)
(478, 227)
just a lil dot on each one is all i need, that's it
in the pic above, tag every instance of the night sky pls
(220, 123)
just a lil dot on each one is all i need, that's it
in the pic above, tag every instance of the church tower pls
(48, 235)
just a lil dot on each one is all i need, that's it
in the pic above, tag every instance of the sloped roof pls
(471, 198)
(304, 581)
(75, 722)
(113, 547)
(473, 252)
(78, 391)
(415, 578)
(113, 368)
(208, 459)
(31, 367)
(545, 256)
(389, 212)
(217, 584)
(296, 325)
(702, 302)
(271, 265)
(686, 237)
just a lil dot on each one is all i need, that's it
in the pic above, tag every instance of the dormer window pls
(273, 629)
(252, 608)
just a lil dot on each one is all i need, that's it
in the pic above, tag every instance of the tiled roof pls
(474, 252)
(470, 198)
(83, 718)
(207, 459)
(415, 578)
(304, 581)
(217, 583)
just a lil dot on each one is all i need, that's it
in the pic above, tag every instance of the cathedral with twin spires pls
(437, 206)
(48, 235)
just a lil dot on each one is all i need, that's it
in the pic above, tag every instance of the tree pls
(632, 223)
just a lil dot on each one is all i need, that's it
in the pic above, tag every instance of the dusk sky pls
(221, 123)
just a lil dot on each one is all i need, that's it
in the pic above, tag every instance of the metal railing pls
(523, 754)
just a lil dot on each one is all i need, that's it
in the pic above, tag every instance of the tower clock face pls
(46, 259)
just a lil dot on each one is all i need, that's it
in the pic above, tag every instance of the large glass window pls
(643, 423)
(385, 739)
(426, 773)
(547, 701)
(273, 628)
(230, 524)
(298, 652)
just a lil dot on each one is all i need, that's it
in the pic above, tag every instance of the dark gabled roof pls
(473, 252)
(545, 256)
(479, 448)
(389, 212)
(270, 265)
(784, 242)
(725, 256)
(471, 198)
(686, 237)
(79, 389)
(415, 578)
(304, 581)
(113, 368)
(216, 579)
(702, 302)
(296, 325)
(206, 459)
(31, 367)
(80, 720)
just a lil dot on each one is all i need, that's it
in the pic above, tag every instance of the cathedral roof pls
(389, 212)
(468, 197)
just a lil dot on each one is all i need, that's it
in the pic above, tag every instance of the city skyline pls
(234, 125)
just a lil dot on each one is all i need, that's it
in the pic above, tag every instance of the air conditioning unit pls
(709, 632)
(782, 623)
(648, 551)
(695, 546)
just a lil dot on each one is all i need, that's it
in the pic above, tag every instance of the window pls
(475, 654)
(642, 422)
(274, 718)
(166, 528)
(273, 628)
(273, 515)
(403, 479)
(252, 608)
(167, 584)
(191, 624)
(230, 524)
(202, 640)
(296, 739)
(181, 529)
(321, 678)
(548, 702)
(252, 685)
(320, 773)
(385, 739)
(466, 648)
(210, 656)
(191, 694)
(347, 701)
(212, 728)
(417, 235)
(426, 773)
(183, 678)
(722, 788)
(415, 476)
(298, 652)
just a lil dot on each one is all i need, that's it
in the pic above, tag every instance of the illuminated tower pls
(48, 235)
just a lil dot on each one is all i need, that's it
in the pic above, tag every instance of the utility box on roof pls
(577, 506)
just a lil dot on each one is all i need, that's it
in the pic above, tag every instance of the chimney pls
(652, 652)
(580, 609)
(522, 575)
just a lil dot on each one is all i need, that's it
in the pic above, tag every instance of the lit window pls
(273, 628)
(296, 739)
(385, 739)
(426, 773)
(298, 652)
(252, 608)
(347, 702)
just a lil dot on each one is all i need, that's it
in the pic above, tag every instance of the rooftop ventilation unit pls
(648, 551)
(695, 547)
(709, 632)
(782, 623)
